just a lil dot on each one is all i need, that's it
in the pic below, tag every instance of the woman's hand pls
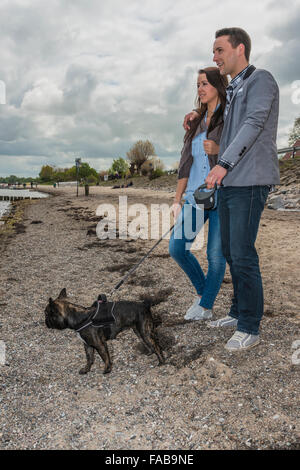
(210, 147)
(175, 209)
(189, 117)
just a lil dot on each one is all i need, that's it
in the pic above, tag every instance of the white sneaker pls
(196, 312)
(223, 322)
(241, 341)
(190, 312)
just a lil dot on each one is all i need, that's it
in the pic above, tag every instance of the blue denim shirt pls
(200, 168)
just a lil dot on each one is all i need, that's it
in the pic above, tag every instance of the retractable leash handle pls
(205, 198)
(204, 186)
(117, 286)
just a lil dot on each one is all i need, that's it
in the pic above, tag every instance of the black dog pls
(61, 314)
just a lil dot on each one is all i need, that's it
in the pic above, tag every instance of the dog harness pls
(107, 318)
(102, 317)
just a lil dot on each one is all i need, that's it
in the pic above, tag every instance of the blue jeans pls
(240, 209)
(180, 241)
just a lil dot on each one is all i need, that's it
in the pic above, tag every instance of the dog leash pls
(117, 286)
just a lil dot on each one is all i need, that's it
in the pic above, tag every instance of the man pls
(246, 169)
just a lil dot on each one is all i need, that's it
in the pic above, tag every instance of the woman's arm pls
(181, 185)
(176, 207)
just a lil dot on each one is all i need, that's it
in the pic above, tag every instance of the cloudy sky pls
(89, 78)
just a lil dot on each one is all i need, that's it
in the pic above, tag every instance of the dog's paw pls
(84, 370)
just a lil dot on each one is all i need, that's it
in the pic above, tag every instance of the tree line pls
(141, 159)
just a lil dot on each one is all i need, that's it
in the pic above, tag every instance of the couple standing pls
(230, 140)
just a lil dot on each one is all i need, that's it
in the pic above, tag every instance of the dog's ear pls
(51, 301)
(63, 294)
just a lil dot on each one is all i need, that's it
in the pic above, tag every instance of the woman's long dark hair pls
(219, 82)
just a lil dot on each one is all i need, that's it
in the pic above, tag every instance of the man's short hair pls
(236, 36)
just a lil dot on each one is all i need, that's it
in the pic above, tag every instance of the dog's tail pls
(156, 298)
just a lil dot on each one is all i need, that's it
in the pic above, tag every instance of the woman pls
(198, 156)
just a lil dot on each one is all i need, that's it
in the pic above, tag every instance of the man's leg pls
(225, 225)
(245, 205)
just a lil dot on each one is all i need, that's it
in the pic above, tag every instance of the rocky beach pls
(202, 398)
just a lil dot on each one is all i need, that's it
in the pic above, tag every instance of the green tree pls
(46, 173)
(59, 176)
(70, 174)
(295, 132)
(94, 175)
(156, 173)
(92, 179)
(119, 166)
(140, 152)
(13, 179)
(85, 171)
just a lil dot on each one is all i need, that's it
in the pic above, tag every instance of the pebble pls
(40, 407)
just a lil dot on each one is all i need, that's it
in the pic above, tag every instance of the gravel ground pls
(202, 398)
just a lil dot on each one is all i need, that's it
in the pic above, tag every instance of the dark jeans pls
(240, 209)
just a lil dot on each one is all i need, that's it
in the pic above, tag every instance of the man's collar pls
(239, 76)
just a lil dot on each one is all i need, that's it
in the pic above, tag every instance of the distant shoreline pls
(8, 207)
(11, 222)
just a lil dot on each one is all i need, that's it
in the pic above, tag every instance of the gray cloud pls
(89, 79)
(283, 61)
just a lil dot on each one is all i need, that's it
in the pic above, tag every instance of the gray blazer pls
(248, 141)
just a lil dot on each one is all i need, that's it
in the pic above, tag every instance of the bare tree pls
(152, 164)
(140, 152)
(295, 132)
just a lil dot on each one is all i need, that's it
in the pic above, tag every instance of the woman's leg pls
(185, 231)
(216, 262)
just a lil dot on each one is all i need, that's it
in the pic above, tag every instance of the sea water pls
(22, 193)
(4, 207)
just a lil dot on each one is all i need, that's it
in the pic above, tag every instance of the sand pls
(202, 398)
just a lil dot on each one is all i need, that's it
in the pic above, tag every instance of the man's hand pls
(189, 117)
(210, 147)
(215, 176)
